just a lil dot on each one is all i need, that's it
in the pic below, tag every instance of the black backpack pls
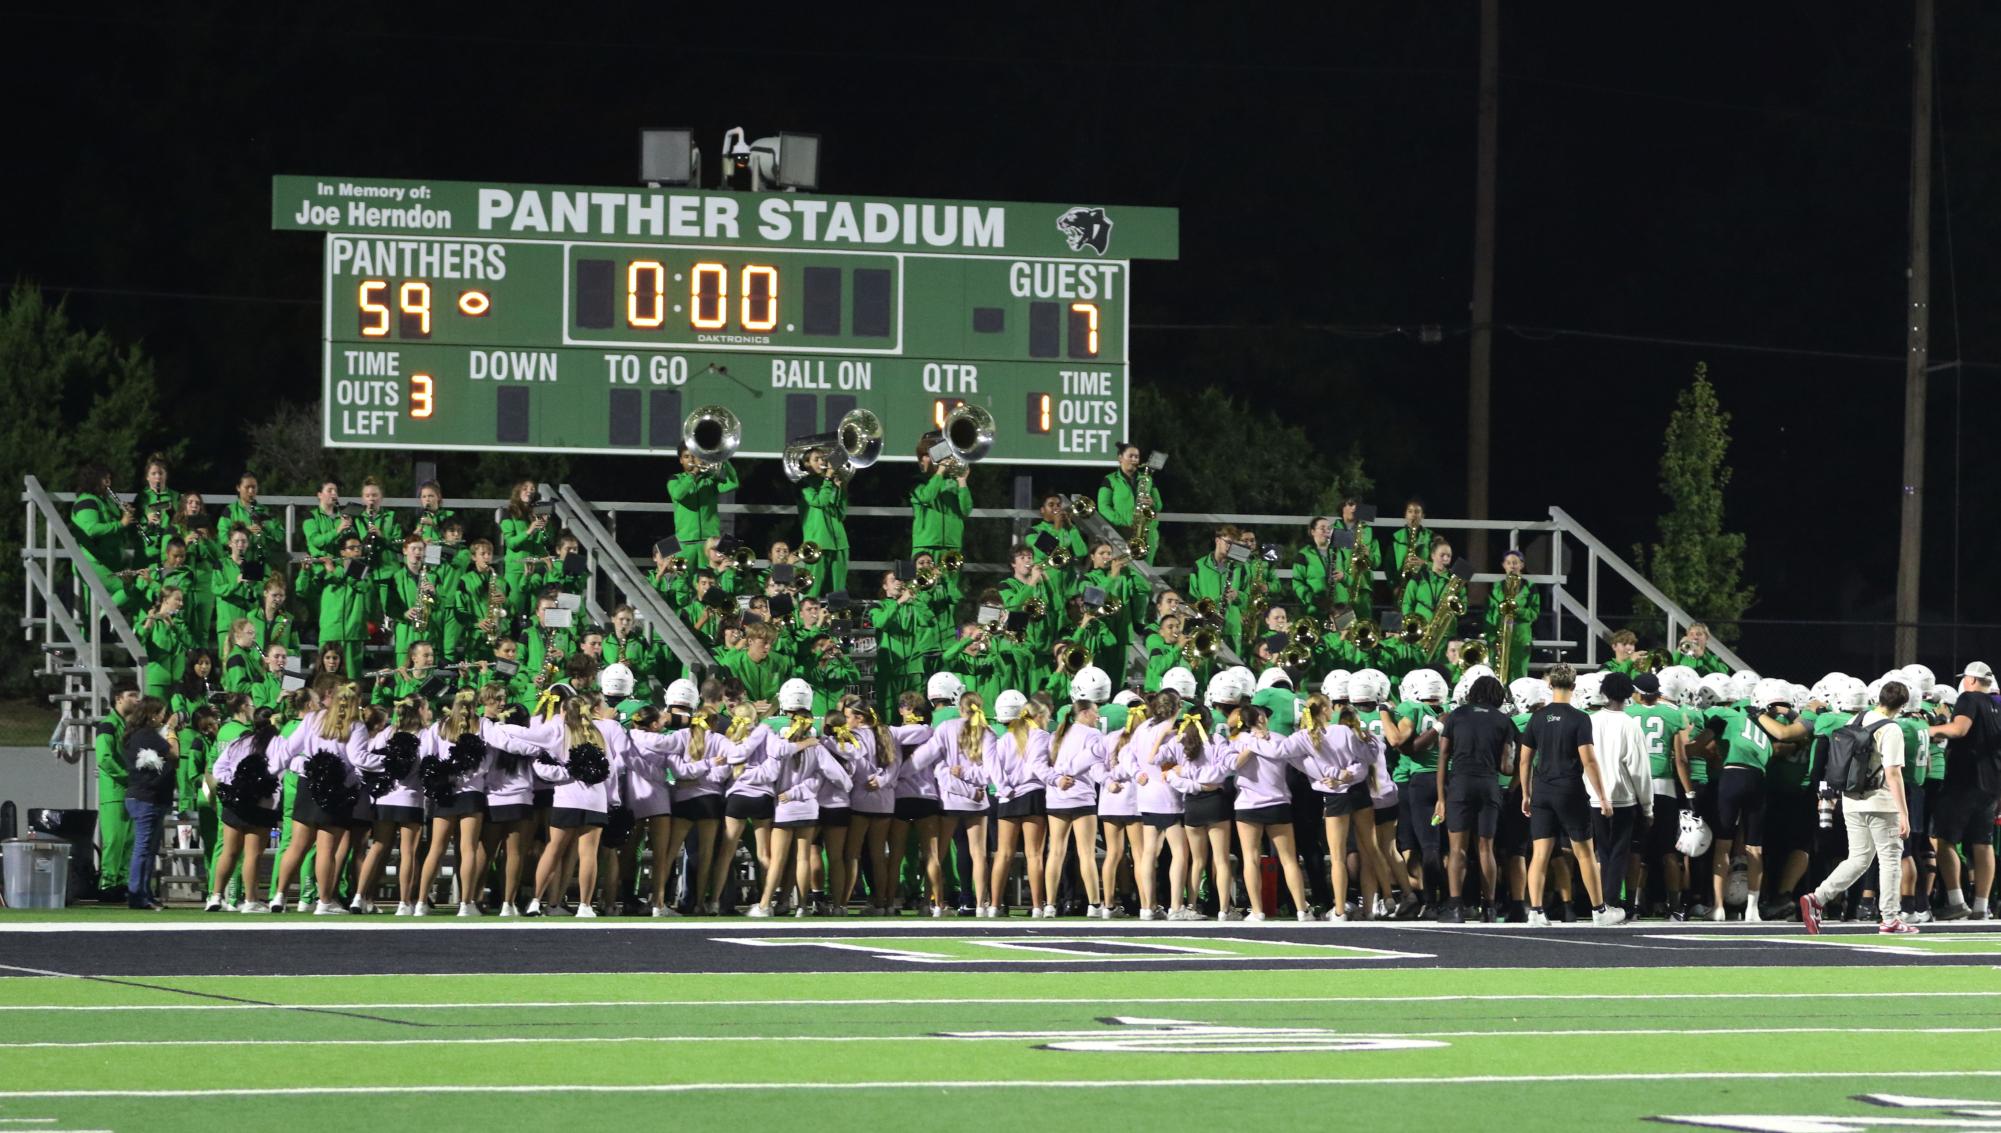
(1852, 764)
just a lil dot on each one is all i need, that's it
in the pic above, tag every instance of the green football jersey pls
(1660, 723)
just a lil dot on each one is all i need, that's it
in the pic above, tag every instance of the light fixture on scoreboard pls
(788, 162)
(669, 157)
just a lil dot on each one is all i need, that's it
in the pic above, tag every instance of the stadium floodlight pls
(669, 157)
(799, 161)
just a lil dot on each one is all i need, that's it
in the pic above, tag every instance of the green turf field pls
(1514, 1049)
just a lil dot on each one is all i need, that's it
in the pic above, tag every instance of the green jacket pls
(695, 496)
(109, 748)
(167, 642)
(344, 604)
(1117, 497)
(281, 630)
(269, 546)
(823, 510)
(521, 542)
(196, 756)
(760, 679)
(1399, 545)
(234, 596)
(321, 532)
(1069, 538)
(100, 531)
(900, 631)
(939, 505)
(1528, 607)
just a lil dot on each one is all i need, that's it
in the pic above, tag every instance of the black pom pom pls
(399, 756)
(326, 778)
(589, 765)
(468, 751)
(377, 783)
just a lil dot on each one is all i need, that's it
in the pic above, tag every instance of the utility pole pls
(1479, 385)
(1917, 328)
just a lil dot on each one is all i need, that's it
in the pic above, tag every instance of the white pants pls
(1870, 834)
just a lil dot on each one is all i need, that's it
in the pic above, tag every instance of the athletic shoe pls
(938, 911)
(534, 908)
(1895, 926)
(406, 909)
(1810, 909)
(508, 910)
(1336, 916)
(1718, 914)
(759, 911)
(253, 907)
(1254, 918)
(663, 911)
(1184, 913)
(1751, 913)
(1867, 909)
(468, 909)
(1922, 916)
(329, 909)
(275, 907)
(1979, 915)
(422, 909)
(1953, 912)
(1489, 915)
(213, 904)
(1146, 914)
(1094, 913)
(1231, 915)
(583, 910)
(1048, 912)
(231, 905)
(1115, 912)
(1538, 919)
(1608, 916)
(1451, 914)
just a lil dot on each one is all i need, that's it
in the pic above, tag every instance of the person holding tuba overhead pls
(1129, 492)
(709, 437)
(1512, 610)
(940, 501)
(821, 466)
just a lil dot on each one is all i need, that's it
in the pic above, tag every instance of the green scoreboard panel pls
(461, 315)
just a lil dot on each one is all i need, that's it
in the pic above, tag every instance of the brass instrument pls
(1413, 559)
(854, 444)
(1143, 513)
(1412, 629)
(1059, 559)
(1071, 658)
(1035, 608)
(1361, 567)
(968, 435)
(496, 607)
(675, 568)
(927, 577)
(1473, 653)
(743, 556)
(1363, 634)
(1082, 506)
(952, 562)
(1451, 605)
(1110, 608)
(810, 553)
(1293, 656)
(1652, 661)
(427, 600)
(1205, 642)
(1511, 592)
(712, 434)
(1207, 610)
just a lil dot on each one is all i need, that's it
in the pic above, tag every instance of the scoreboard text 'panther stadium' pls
(462, 315)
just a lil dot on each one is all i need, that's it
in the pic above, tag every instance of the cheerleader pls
(794, 765)
(689, 754)
(1263, 807)
(844, 744)
(1203, 782)
(1332, 754)
(876, 770)
(328, 752)
(697, 795)
(955, 757)
(244, 779)
(748, 801)
(1118, 810)
(1160, 804)
(1387, 867)
(396, 735)
(576, 757)
(1019, 759)
(510, 794)
(1076, 755)
(917, 801)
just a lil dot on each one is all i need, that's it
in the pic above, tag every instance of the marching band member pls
(267, 537)
(1122, 494)
(167, 643)
(525, 535)
(1054, 532)
(1512, 610)
(1223, 581)
(823, 511)
(1423, 592)
(940, 501)
(696, 490)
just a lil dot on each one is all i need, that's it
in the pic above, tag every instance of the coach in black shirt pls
(1476, 747)
(1556, 760)
(1966, 803)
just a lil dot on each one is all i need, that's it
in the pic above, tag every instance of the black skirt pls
(835, 817)
(307, 810)
(700, 807)
(916, 809)
(1030, 805)
(545, 797)
(750, 808)
(570, 818)
(463, 804)
(1071, 812)
(1207, 809)
(251, 819)
(399, 815)
(511, 812)
(1278, 814)
(798, 824)
(1351, 801)
(1161, 821)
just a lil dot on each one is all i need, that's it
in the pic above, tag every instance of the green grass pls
(642, 1051)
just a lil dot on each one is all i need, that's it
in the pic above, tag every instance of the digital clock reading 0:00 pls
(667, 297)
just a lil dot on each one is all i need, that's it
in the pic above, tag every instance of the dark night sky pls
(1698, 173)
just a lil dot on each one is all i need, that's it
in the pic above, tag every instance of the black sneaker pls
(1452, 914)
(1867, 910)
(1564, 912)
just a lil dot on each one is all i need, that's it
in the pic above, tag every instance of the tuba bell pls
(1412, 630)
(1072, 658)
(854, 444)
(712, 434)
(968, 434)
(860, 434)
(1082, 506)
(810, 553)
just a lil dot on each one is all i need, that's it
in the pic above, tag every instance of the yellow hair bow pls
(976, 719)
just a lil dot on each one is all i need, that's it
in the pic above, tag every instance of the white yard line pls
(989, 1084)
(1024, 1001)
(302, 922)
(1003, 1036)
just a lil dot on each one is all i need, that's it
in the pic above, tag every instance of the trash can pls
(36, 872)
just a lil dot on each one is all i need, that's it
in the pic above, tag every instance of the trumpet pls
(927, 577)
(1071, 658)
(743, 556)
(675, 568)
(1109, 608)
(712, 435)
(1473, 653)
(1653, 661)
(952, 562)
(810, 553)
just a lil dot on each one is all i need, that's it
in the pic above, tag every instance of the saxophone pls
(1361, 569)
(1451, 604)
(427, 601)
(1413, 559)
(496, 606)
(1511, 591)
(1143, 513)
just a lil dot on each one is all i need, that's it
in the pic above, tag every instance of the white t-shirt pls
(1890, 748)
(1620, 749)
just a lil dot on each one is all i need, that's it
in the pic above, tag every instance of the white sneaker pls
(1048, 912)
(1146, 914)
(1718, 914)
(1336, 916)
(937, 911)
(1922, 916)
(713, 909)
(1609, 915)
(213, 904)
(1233, 915)
(468, 909)
(1254, 918)
(360, 906)
(534, 908)
(232, 905)
(1114, 912)
(406, 909)
(275, 907)
(1184, 913)
(1303, 917)
(583, 910)
(253, 907)
(759, 911)
(422, 909)
(664, 911)
(508, 910)
(1538, 919)
(1035, 912)
(987, 912)
(329, 909)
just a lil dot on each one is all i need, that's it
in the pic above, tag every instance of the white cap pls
(1091, 683)
(1179, 679)
(1008, 705)
(683, 694)
(1273, 677)
(615, 679)
(795, 695)
(1978, 669)
(944, 686)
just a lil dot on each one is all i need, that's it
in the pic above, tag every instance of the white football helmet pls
(683, 694)
(1334, 686)
(1945, 696)
(944, 686)
(1272, 678)
(1466, 679)
(1530, 693)
(1589, 692)
(1849, 695)
(1091, 683)
(1714, 690)
(1430, 685)
(1679, 683)
(616, 680)
(795, 695)
(1008, 705)
(1128, 698)
(1770, 691)
(1743, 683)
(1872, 693)
(1695, 837)
(1369, 686)
(1918, 680)
(1179, 680)
(1222, 690)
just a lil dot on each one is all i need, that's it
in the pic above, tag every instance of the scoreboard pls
(462, 315)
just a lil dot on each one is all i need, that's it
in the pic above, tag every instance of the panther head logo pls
(1086, 228)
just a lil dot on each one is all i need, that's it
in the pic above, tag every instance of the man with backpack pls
(1865, 762)
(1966, 802)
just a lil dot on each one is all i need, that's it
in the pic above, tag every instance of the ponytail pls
(343, 714)
(462, 717)
(577, 725)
